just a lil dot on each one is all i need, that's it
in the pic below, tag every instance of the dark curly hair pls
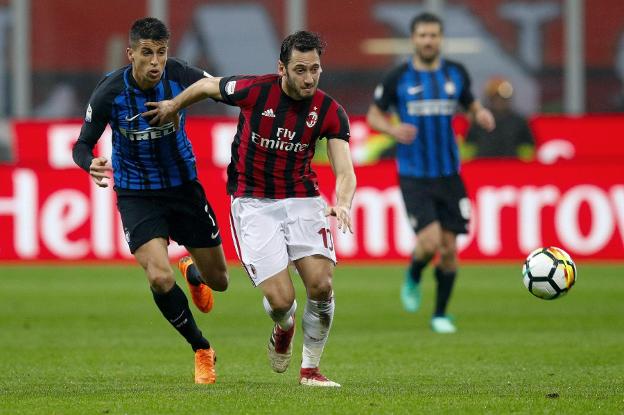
(303, 41)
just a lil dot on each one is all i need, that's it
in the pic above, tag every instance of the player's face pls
(148, 58)
(300, 79)
(427, 40)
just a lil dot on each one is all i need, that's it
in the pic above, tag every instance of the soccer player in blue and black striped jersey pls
(158, 194)
(424, 92)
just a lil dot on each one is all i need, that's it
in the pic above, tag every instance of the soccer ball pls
(549, 273)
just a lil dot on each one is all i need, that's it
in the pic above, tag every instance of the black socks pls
(446, 280)
(174, 306)
(415, 269)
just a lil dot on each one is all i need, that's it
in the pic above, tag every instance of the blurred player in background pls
(511, 139)
(277, 214)
(158, 194)
(424, 92)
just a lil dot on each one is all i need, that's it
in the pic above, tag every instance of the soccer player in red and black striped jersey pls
(277, 214)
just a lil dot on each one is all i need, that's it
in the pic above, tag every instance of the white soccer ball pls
(549, 273)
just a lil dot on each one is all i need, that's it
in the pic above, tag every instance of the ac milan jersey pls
(144, 157)
(276, 137)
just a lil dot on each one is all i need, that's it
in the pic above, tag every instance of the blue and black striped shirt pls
(428, 100)
(144, 157)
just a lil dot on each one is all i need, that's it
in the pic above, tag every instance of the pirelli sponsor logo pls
(151, 133)
(432, 107)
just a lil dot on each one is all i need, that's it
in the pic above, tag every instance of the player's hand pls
(342, 215)
(485, 119)
(404, 133)
(99, 169)
(162, 113)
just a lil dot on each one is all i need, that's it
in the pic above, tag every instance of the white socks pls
(284, 320)
(317, 320)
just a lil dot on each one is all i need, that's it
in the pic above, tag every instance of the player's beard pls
(294, 88)
(428, 58)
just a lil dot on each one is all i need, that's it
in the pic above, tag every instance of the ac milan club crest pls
(312, 118)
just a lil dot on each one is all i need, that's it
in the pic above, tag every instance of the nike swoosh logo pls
(214, 235)
(415, 90)
(133, 118)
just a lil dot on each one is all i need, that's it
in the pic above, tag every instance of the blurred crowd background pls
(561, 56)
(71, 43)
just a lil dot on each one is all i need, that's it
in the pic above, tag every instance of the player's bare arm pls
(167, 110)
(380, 121)
(482, 116)
(342, 166)
(99, 171)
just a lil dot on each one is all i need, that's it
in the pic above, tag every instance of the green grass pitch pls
(89, 340)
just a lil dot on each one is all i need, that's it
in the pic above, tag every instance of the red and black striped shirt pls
(276, 137)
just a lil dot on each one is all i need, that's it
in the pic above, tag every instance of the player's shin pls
(416, 267)
(174, 306)
(446, 281)
(317, 320)
(284, 319)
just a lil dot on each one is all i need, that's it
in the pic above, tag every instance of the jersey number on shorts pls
(327, 238)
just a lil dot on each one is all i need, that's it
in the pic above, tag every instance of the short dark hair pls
(148, 28)
(425, 18)
(303, 41)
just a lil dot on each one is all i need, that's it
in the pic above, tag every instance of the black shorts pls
(441, 199)
(181, 213)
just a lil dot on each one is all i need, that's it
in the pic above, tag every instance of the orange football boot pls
(205, 360)
(201, 294)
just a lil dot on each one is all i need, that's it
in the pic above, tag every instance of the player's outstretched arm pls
(342, 166)
(379, 120)
(482, 116)
(166, 111)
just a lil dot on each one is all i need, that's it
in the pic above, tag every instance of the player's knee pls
(320, 289)
(281, 304)
(428, 247)
(448, 261)
(448, 253)
(218, 279)
(161, 280)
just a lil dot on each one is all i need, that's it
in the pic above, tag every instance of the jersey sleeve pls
(466, 98)
(337, 125)
(385, 95)
(95, 121)
(235, 90)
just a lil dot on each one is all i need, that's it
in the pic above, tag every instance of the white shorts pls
(268, 233)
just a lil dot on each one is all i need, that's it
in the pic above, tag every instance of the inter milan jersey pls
(144, 157)
(276, 137)
(428, 100)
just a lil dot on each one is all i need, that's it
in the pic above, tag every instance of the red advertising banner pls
(50, 210)
(60, 215)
